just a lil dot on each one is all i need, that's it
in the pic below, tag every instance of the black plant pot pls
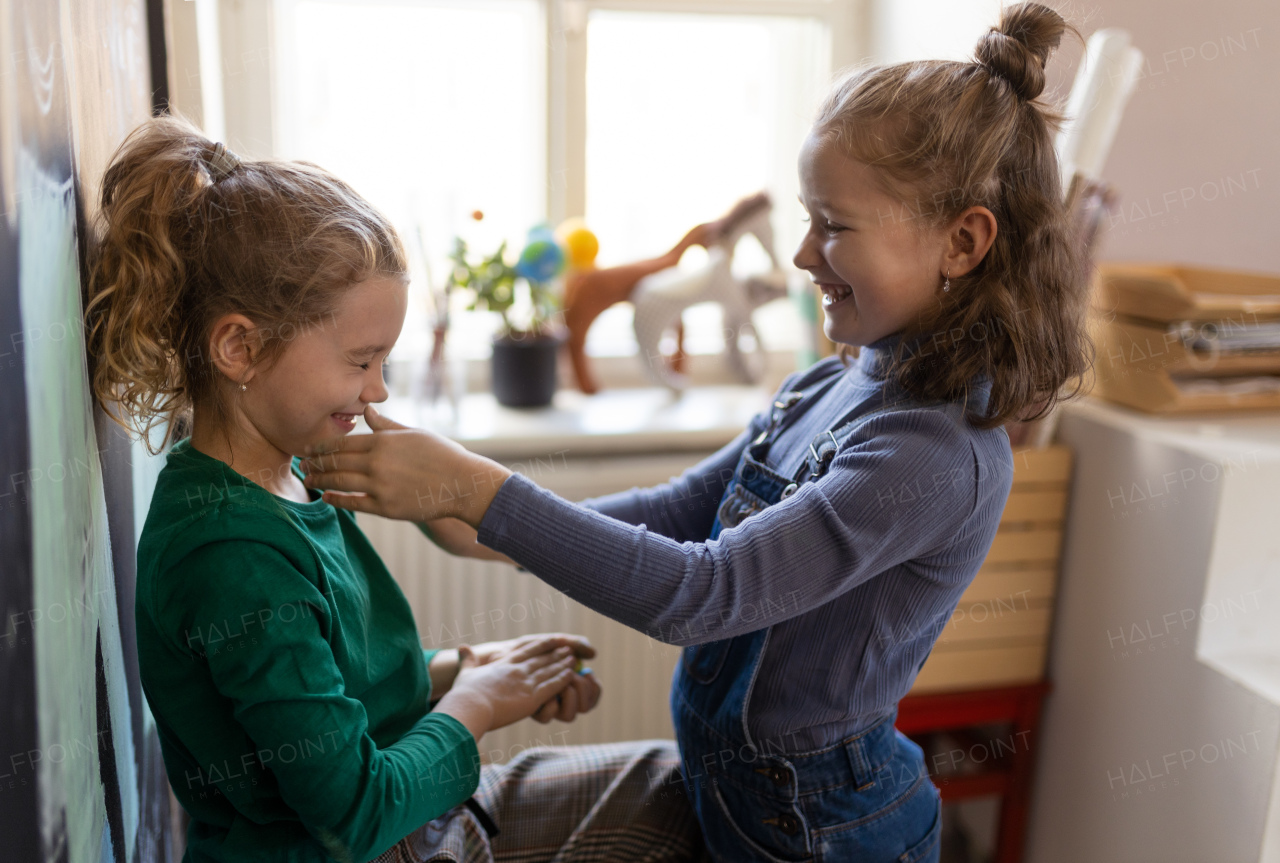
(524, 370)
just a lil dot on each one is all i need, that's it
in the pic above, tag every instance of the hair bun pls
(1019, 47)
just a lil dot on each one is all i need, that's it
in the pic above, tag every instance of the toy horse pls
(661, 296)
(587, 293)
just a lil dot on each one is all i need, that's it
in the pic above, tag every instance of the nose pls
(376, 390)
(806, 256)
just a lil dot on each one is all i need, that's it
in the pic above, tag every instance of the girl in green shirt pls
(247, 307)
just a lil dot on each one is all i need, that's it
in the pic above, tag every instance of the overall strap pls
(823, 447)
(784, 411)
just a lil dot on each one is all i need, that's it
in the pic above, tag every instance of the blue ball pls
(542, 260)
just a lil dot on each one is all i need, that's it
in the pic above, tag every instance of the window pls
(431, 111)
(686, 113)
(436, 108)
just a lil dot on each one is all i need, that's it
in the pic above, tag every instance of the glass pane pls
(685, 115)
(432, 110)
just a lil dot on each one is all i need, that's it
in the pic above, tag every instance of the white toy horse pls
(661, 298)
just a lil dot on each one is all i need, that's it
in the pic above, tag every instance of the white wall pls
(1195, 158)
(1202, 123)
(915, 29)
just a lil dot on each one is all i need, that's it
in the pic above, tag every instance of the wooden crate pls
(1142, 361)
(999, 633)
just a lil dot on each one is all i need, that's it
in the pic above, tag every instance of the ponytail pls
(142, 262)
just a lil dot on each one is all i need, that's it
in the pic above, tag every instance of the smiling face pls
(877, 273)
(330, 370)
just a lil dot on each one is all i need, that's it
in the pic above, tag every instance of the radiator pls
(462, 601)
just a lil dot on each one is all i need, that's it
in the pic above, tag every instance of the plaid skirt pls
(615, 802)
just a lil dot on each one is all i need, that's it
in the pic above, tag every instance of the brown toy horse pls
(588, 293)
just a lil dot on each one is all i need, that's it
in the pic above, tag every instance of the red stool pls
(953, 712)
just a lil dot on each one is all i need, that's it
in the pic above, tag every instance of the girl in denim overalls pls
(808, 566)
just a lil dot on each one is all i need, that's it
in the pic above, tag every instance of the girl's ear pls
(971, 237)
(232, 346)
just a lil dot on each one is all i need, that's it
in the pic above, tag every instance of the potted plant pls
(524, 352)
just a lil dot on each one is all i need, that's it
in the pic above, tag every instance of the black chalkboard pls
(81, 776)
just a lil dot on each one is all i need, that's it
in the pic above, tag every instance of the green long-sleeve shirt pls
(286, 677)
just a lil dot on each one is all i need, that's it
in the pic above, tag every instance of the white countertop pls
(630, 420)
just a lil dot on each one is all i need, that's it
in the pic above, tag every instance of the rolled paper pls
(1104, 81)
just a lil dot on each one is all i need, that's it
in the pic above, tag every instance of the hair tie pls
(221, 161)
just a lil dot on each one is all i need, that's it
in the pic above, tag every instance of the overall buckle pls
(821, 452)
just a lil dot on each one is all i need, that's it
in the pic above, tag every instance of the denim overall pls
(867, 798)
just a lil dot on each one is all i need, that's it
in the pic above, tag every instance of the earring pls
(243, 388)
(947, 285)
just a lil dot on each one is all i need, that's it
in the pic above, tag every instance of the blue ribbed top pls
(857, 572)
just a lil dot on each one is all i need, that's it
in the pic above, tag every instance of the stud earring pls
(243, 388)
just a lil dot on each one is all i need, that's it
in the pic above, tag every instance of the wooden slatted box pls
(999, 633)
(1143, 362)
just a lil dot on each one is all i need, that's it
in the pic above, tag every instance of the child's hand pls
(405, 473)
(583, 692)
(491, 650)
(507, 688)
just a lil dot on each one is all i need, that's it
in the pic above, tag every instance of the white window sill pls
(616, 420)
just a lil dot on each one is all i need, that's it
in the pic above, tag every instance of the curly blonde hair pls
(954, 135)
(180, 241)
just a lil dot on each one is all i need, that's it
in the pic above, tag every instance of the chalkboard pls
(81, 776)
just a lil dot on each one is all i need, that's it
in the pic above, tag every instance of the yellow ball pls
(579, 243)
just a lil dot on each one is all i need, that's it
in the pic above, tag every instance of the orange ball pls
(478, 215)
(579, 242)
